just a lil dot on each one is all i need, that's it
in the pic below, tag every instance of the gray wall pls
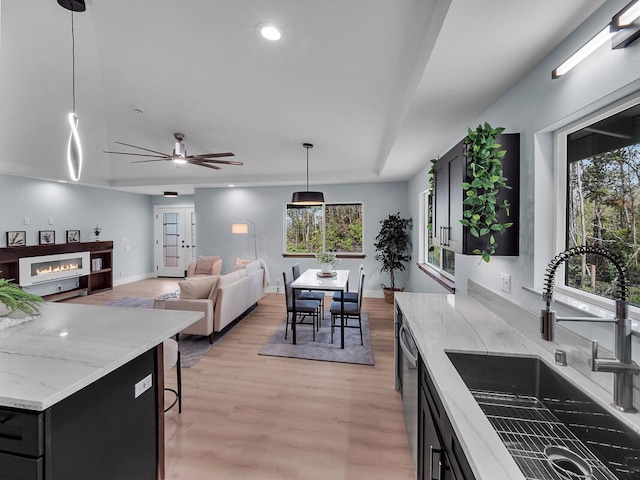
(218, 208)
(125, 218)
(536, 107)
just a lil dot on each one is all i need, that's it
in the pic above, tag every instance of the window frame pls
(324, 241)
(560, 175)
(433, 270)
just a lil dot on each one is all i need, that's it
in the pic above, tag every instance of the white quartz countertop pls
(441, 323)
(69, 346)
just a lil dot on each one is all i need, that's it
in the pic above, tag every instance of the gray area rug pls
(192, 347)
(322, 348)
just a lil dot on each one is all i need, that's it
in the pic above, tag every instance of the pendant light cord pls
(307, 168)
(73, 63)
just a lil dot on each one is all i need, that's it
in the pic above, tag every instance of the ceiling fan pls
(179, 155)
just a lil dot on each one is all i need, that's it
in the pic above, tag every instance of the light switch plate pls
(143, 385)
(50, 220)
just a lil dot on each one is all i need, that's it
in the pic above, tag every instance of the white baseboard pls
(123, 281)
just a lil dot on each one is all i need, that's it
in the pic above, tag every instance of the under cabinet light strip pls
(628, 15)
(587, 49)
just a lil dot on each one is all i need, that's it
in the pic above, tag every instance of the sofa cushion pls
(204, 265)
(200, 287)
(232, 277)
(252, 267)
(241, 263)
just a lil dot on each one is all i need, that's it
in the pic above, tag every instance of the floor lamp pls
(243, 227)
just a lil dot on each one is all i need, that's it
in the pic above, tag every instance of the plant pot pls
(389, 292)
(326, 268)
(4, 310)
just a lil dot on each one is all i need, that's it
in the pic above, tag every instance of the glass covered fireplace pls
(48, 268)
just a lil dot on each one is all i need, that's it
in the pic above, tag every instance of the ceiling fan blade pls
(164, 157)
(140, 148)
(199, 163)
(155, 160)
(214, 155)
(224, 162)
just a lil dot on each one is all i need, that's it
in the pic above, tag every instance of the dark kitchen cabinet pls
(449, 173)
(105, 431)
(440, 455)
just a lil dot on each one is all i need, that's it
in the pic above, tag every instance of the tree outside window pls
(603, 202)
(332, 227)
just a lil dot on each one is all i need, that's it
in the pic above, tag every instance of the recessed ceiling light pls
(270, 32)
(231, 185)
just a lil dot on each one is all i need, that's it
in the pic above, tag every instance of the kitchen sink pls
(552, 429)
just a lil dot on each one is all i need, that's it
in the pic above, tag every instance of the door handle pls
(432, 463)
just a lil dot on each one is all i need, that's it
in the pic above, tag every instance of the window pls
(332, 227)
(442, 260)
(603, 201)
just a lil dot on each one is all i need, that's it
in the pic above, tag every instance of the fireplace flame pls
(60, 268)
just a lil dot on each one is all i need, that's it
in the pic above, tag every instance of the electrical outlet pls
(143, 385)
(277, 286)
(50, 220)
(506, 282)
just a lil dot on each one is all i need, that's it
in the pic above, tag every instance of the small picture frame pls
(73, 236)
(16, 238)
(47, 237)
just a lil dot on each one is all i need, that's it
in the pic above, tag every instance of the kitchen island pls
(81, 392)
(485, 323)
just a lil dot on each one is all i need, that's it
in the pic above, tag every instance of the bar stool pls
(172, 359)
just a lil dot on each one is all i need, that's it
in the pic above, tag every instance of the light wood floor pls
(247, 416)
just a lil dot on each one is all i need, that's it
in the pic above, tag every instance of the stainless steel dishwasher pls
(409, 387)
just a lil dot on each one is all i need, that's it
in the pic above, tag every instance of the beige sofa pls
(222, 298)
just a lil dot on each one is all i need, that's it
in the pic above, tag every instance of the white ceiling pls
(379, 86)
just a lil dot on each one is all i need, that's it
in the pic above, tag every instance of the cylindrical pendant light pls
(307, 197)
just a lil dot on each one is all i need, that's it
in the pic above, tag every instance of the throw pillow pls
(198, 287)
(204, 265)
(241, 263)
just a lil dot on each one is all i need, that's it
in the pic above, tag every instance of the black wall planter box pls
(450, 171)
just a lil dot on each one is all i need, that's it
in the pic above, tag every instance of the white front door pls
(174, 240)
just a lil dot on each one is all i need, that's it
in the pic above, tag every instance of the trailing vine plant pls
(432, 174)
(481, 207)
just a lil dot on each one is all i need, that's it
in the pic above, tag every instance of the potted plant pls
(393, 245)
(481, 207)
(13, 298)
(327, 261)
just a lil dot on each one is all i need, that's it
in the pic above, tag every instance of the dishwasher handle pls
(413, 360)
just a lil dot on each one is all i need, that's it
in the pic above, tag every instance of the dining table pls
(314, 279)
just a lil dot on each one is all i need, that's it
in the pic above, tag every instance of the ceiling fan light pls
(179, 150)
(307, 198)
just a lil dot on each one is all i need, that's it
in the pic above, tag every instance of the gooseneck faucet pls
(623, 367)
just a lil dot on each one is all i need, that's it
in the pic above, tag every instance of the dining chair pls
(304, 308)
(350, 296)
(309, 295)
(351, 311)
(171, 358)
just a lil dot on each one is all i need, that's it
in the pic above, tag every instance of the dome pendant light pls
(74, 148)
(307, 198)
